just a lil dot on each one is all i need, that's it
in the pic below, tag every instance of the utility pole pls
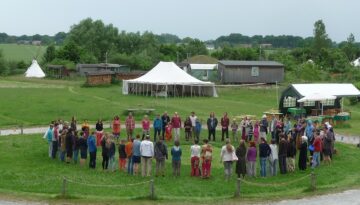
(106, 54)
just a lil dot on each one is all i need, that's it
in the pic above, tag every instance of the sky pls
(202, 19)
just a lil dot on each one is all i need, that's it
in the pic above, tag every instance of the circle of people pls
(306, 136)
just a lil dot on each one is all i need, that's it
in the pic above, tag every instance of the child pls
(122, 155)
(187, 126)
(176, 158)
(234, 127)
(197, 129)
(168, 132)
(206, 155)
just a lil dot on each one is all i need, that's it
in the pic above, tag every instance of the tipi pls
(34, 71)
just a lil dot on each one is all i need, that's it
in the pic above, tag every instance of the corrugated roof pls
(100, 72)
(251, 63)
(335, 89)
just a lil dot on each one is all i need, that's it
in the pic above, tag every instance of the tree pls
(349, 47)
(70, 51)
(321, 39)
(50, 54)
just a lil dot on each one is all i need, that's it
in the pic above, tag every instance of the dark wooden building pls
(57, 71)
(85, 68)
(129, 75)
(236, 72)
(101, 77)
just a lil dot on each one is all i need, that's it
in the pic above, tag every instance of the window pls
(254, 71)
(329, 102)
(289, 101)
(309, 103)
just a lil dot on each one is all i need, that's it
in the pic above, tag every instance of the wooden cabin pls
(102, 77)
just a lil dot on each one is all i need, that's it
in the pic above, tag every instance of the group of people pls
(67, 142)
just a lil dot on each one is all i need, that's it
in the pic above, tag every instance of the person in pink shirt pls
(256, 132)
(145, 126)
(130, 126)
(176, 125)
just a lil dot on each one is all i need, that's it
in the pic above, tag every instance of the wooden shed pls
(102, 77)
(236, 72)
(57, 71)
(129, 75)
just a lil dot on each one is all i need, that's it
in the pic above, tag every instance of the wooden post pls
(63, 191)
(238, 183)
(313, 181)
(152, 189)
(21, 129)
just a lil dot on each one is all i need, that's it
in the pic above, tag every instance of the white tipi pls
(34, 71)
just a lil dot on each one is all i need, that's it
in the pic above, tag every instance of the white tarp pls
(203, 66)
(34, 71)
(356, 62)
(317, 97)
(335, 89)
(169, 76)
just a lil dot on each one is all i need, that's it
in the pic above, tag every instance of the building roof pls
(55, 66)
(100, 72)
(100, 65)
(201, 59)
(335, 89)
(250, 63)
(203, 66)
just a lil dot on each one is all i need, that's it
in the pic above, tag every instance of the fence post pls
(63, 191)
(313, 181)
(21, 129)
(238, 183)
(152, 189)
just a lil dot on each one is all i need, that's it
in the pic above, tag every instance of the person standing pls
(206, 155)
(136, 154)
(291, 155)
(91, 143)
(283, 146)
(85, 127)
(256, 132)
(327, 145)
(130, 126)
(234, 129)
(55, 141)
(165, 119)
(63, 144)
(251, 158)
(225, 122)
(161, 154)
(145, 123)
(49, 137)
(317, 149)
(168, 132)
(188, 128)
(176, 125)
(157, 128)
(195, 150)
(147, 153)
(303, 153)
(212, 124)
(83, 147)
(193, 119)
(122, 155)
(129, 155)
(263, 127)
(116, 128)
(227, 154)
(176, 158)
(273, 125)
(100, 131)
(111, 146)
(105, 152)
(241, 163)
(76, 147)
(69, 142)
(197, 129)
(274, 158)
(264, 153)
(73, 124)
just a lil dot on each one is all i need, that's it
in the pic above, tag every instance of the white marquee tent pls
(34, 71)
(167, 79)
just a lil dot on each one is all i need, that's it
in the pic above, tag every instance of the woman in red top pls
(145, 126)
(317, 149)
(116, 127)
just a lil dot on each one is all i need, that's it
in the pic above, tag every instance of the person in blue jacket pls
(157, 127)
(92, 150)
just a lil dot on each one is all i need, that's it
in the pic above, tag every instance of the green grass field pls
(25, 53)
(28, 172)
(34, 102)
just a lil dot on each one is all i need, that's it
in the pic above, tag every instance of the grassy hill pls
(22, 52)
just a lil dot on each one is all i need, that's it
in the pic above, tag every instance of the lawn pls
(25, 53)
(34, 102)
(27, 171)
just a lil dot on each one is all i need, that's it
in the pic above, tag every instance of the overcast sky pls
(203, 19)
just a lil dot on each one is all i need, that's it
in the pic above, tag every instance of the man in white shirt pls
(147, 153)
(193, 119)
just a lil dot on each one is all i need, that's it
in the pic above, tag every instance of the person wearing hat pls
(303, 153)
(263, 127)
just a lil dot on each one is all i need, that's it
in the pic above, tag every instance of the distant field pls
(22, 52)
